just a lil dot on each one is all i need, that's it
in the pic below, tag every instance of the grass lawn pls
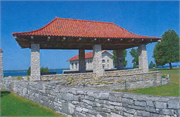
(14, 105)
(172, 89)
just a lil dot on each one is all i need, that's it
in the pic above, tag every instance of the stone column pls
(70, 65)
(35, 62)
(1, 64)
(143, 62)
(119, 59)
(97, 60)
(82, 63)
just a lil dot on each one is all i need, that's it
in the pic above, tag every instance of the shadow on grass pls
(4, 93)
(163, 69)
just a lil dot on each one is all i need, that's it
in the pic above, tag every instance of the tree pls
(42, 69)
(135, 54)
(167, 51)
(124, 54)
(152, 65)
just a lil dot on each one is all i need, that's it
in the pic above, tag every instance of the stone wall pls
(130, 82)
(68, 76)
(90, 102)
(113, 80)
(122, 72)
(90, 74)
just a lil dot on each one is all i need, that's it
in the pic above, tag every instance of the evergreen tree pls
(124, 54)
(151, 65)
(135, 54)
(167, 51)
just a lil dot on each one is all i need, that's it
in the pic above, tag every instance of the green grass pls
(14, 105)
(171, 89)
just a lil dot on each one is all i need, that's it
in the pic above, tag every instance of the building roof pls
(63, 33)
(1, 50)
(87, 55)
(82, 28)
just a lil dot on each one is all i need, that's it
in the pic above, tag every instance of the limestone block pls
(103, 95)
(143, 113)
(140, 103)
(174, 104)
(143, 62)
(150, 103)
(150, 109)
(97, 61)
(160, 104)
(115, 115)
(35, 62)
(127, 101)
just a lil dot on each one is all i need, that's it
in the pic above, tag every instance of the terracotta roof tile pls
(87, 55)
(82, 28)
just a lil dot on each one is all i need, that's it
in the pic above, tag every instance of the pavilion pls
(63, 33)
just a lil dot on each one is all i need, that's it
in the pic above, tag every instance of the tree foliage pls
(135, 54)
(124, 54)
(42, 69)
(152, 65)
(167, 51)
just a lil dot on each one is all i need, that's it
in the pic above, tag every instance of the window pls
(103, 63)
(76, 65)
(72, 65)
(108, 63)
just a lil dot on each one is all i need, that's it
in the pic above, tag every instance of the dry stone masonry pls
(112, 80)
(90, 102)
(35, 62)
(97, 61)
(143, 62)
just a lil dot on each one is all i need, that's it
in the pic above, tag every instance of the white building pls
(107, 61)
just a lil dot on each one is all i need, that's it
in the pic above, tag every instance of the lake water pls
(24, 73)
(58, 71)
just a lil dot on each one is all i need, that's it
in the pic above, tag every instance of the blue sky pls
(140, 17)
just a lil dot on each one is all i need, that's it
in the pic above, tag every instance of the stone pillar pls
(97, 60)
(82, 63)
(143, 62)
(1, 64)
(35, 62)
(119, 59)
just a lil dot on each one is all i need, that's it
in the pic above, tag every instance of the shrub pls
(69, 80)
(164, 75)
(19, 78)
(42, 69)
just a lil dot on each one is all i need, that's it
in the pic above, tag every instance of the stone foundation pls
(91, 102)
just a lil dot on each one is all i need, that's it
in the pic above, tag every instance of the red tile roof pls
(1, 50)
(87, 55)
(83, 28)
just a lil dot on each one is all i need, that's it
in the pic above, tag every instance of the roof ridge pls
(39, 28)
(84, 20)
